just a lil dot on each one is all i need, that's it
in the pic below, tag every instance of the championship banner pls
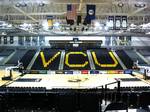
(71, 13)
(50, 21)
(11, 39)
(5, 40)
(110, 23)
(118, 22)
(124, 22)
(90, 10)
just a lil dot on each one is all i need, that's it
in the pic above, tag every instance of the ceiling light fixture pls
(140, 5)
(41, 4)
(18, 5)
(23, 4)
(120, 4)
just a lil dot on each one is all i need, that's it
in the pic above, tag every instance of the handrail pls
(118, 85)
(105, 90)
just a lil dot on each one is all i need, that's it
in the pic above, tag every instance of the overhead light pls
(18, 5)
(120, 4)
(21, 4)
(10, 25)
(41, 4)
(132, 25)
(140, 5)
(4, 33)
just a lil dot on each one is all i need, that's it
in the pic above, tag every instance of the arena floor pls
(74, 81)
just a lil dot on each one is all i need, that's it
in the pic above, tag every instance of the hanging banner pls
(50, 21)
(5, 40)
(11, 39)
(118, 22)
(124, 22)
(110, 23)
(90, 10)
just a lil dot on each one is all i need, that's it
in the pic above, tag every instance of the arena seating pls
(17, 56)
(51, 57)
(4, 55)
(76, 60)
(66, 102)
(134, 57)
(106, 60)
(116, 106)
(125, 59)
(39, 99)
(26, 59)
(145, 52)
(89, 102)
(6, 52)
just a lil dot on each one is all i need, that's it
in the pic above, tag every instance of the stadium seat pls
(116, 106)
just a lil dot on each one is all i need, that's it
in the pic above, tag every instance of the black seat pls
(116, 106)
(89, 102)
(66, 103)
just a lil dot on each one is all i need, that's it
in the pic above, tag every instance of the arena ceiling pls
(34, 11)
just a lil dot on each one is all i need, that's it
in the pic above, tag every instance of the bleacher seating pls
(134, 57)
(6, 52)
(52, 57)
(125, 59)
(104, 58)
(26, 59)
(66, 102)
(17, 56)
(116, 106)
(76, 60)
(89, 102)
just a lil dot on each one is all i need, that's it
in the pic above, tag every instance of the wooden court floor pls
(88, 80)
